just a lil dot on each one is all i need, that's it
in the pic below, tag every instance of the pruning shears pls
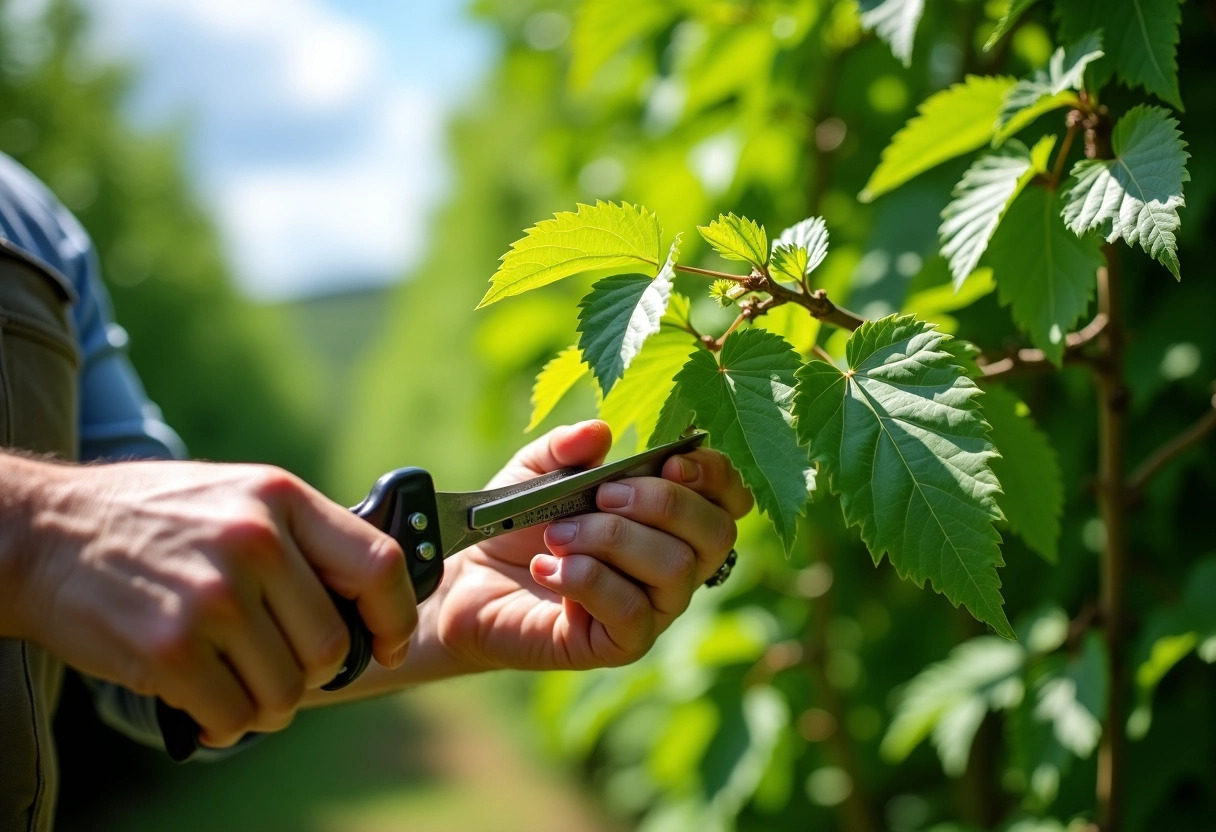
(431, 526)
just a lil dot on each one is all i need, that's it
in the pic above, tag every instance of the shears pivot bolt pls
(418, 521)
(426, 550)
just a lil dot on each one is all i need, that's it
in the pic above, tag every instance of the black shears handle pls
(401, 503)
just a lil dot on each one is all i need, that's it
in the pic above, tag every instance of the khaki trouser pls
(38, 412)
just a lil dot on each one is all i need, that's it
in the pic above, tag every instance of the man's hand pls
(203, 584)
(596, 589)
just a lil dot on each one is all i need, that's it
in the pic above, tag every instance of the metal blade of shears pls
(469, 517)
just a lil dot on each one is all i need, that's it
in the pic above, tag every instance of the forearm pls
(27, 488)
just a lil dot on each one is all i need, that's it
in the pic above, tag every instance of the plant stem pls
(817, 303)
(709, 273)
(823, 354)
(1190, 437)
(1032, 360)
(1111, 489)
(730, 329)
(1074, 122)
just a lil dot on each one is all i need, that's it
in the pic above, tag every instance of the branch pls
(1074, 122)
(1166, 454)
(1031, 360)
(817, 303)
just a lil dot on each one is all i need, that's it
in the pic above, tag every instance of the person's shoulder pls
(33, 220)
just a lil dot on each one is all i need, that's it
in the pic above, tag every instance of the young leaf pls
(679, 312)
(949, 699)
(594, 237)
(902, 440)
(726, 292)
(895, 22)
(1032, 490)
(948, 124)
(743, 399)
(554, 381)
(1045, 274)
(1013, 11)
(619, 314)
(1049, 90)
(737, 238)
(638, 397)
(799, 249)
(981, 198)
(1141, 41)
(1137, 194)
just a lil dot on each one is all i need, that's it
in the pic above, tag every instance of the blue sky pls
(315, 127)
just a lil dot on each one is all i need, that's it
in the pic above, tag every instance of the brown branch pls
(709, 273)
(1113, 563)
(1166, 454)
(1074, 123)
(817, 303)
(1029, 360)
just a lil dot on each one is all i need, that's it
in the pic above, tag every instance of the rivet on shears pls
(426, 550)
(418, 521)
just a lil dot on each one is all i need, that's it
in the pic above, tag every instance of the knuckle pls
(213, 599)
(169, 644)
(329, 652)
(385, 565)
(271, 484)
(665, 502)
(615, 530)
(726, 533)
(682, 563)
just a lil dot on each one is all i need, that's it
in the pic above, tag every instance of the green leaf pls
(799, 249)
(603, 28)
(981, 198)
(675, 416)
(554, 381)
(948, 124)
(737, 238)
(743, 399)
(1045, 274)
(1013, 11)
(1074, 701)
(949, 699)
(1050, 89)
(1141, 39)
(638, 398)
(1032, 490)
(895, 22)
(596, 236)
(679, 311)
(793, 323)
(1061, 720)
(902, 440)
(619, 314)
(1137, 194)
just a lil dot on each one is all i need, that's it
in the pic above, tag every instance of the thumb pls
(584, 445)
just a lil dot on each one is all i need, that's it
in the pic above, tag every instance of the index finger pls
(710, 474)
(358, 561)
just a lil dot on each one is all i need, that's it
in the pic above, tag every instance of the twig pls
(1166, 454)
(1074, 122)
(823, 354)
(1032, 360)
(817, 303)
(710, 273)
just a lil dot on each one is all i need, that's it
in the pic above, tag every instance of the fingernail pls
(399, 655)
(615, 494)
(560, 533)
(545, 565)
(689, 470)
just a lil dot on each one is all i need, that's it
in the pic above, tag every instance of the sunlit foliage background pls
(766, 706)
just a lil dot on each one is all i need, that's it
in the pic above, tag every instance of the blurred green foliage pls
(766, 706)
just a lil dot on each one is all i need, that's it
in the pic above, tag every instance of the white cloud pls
(320, 164)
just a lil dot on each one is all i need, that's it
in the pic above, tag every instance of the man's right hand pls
(203, 584)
